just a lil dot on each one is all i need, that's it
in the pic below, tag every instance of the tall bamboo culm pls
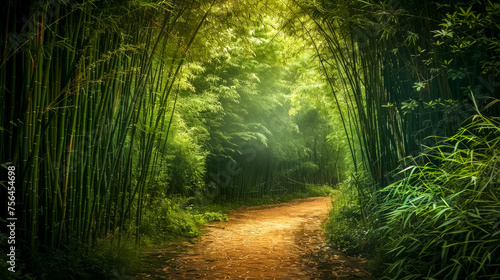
(85, 90)
(372, 49)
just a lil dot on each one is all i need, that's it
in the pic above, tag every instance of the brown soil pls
(282, 241)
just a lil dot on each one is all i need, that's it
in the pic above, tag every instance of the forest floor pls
(282, 241)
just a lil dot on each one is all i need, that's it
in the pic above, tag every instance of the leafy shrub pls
(167, 218)
(319, 190)
(443, 219)
(348, 226)
(346, 230)
(213, 217)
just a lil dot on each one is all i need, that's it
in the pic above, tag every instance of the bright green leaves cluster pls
(246, 82)
(469, 28)
(241, 103)
(442, 219)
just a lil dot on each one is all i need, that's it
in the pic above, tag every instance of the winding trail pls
(282, 241)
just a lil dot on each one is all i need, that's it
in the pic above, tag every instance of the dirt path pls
(281, 241)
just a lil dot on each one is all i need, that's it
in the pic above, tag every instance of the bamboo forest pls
(252, 139)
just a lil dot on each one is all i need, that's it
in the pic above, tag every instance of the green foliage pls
(471, 28)
(166, 219)
(214, 217)
(441, 220)
(185, 160)
(320, 190)
(409, 70)
(256, 147)
(180, 216)
(92, 97)
(349, 226)
(345, 228)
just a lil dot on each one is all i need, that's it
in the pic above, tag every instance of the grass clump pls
(349, 226)
(442, 221)
(170, 218)
(320, 190)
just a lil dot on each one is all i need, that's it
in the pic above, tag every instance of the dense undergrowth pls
(441, 221)
(348, 226)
